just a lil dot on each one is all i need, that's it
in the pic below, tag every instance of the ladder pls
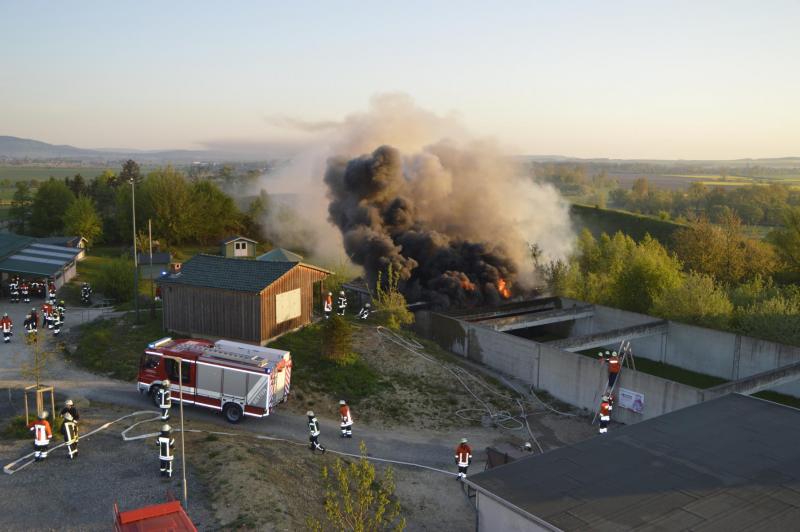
(626, 358)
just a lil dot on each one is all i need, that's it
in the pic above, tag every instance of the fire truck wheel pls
(154, 395)
(233, 412)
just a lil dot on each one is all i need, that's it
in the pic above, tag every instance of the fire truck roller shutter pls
(234, 384)
(258, 390)
(209, 381)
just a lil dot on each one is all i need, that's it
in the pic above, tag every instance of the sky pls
(621, 79)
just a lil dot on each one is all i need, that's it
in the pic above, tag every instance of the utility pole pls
(135, 251)
(152, 284)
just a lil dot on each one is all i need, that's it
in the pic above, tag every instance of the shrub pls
(391, 305)
(337, 341)
(115, 280)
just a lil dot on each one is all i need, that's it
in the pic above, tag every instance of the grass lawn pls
(355, 381)
(43, 173)
(114, 346)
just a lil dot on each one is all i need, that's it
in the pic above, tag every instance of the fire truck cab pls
(235, 378)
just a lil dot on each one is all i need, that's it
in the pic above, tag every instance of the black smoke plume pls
(407, 214)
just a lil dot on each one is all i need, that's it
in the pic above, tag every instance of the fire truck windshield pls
(150, 361)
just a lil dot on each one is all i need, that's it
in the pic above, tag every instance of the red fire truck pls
(237, 379)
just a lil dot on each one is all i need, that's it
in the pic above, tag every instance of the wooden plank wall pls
(212, 312)
(300, 277)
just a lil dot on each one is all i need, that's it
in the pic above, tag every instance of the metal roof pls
(213, 271)
(732, 463)
(280, 255)
(28, 256)
(237, 237)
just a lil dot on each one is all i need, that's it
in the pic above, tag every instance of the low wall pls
(569, 377)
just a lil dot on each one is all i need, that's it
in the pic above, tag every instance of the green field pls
(610, 221)
(42, 173)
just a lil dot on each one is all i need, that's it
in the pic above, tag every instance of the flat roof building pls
(727, 464)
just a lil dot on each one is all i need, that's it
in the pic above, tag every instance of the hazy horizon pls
(661, 80)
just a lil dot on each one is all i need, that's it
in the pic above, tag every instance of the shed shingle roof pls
(229, 274)
(280, 255)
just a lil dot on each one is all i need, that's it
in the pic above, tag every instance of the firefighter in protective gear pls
(13, 289)
(62, 310)
(47, 315)
(58, 319)
(605, 414)
(69, 408)
(166, 443)
(35, 318)
(30, 327)
(313, 433)
(6, 325)
(347, 419)
(24, 289)
(51, 292)
(41, 436)
(86, 294)
(69, 429)
(327, 305)
(164, 399)
(463, 458)
(613, 369)
(365, 311)
(341, 303)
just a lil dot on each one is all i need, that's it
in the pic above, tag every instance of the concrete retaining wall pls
(569, 377)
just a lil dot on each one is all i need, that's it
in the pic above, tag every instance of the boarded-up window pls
(287, 306)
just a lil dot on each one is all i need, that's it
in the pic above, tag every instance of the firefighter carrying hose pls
(605, 413)
(341, 303)
(463, 458)
(327, 305)
(166, 443)
(164, 399)
(347, 419)
(69, 408)
(69, 429)
(365, 311)
(41, 436)
(313, 433)
(6, 325)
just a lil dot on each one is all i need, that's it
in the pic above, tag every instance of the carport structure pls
(28, 258)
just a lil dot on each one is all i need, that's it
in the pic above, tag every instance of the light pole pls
(135, 253)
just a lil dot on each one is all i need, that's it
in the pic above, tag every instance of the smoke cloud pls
(411, 189)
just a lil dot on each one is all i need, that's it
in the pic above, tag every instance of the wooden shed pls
(238, 247)
(246, 300)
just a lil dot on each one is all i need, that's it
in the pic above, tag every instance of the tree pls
(166, 199)
(390, 304)
(49, 205)
(337, 341)
(787, 237)
(698, 300)
(81, 219)
(130, 172)
(648, 273)
(20, 212)
(356, 500)
(214, 212)
(115, 279)
(77, 184)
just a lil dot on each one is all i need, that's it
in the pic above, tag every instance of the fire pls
(466, 284)
(504, 288)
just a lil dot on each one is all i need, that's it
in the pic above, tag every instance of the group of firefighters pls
(607, 400)
(341, 306)
(52, 318)
(22, 289)
(43, 433)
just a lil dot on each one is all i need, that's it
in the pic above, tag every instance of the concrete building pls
(238, 247)
(247, 300)
(33, 259)
(725, 465)
(551, 344)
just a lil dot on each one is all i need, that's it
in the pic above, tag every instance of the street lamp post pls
(135, 253)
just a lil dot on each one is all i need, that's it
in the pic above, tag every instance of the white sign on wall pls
(287, 306)
(631, 400)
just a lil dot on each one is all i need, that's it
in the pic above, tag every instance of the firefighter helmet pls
(67, 416)
(330, 293)
(310, 413)
(613, 353)
(165, 382)
(342, 402)
(606, 398)
(5, 314)
(165, 428)
(528, 446)
(68, 402)
(341, 292)
(44, 414)
(463, 440)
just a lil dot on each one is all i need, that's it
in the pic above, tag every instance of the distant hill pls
(15, 148)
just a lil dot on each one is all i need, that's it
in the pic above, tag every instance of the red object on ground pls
(165, 516)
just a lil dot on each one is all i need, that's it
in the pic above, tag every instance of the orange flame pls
(466, 284)
(504, 288)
